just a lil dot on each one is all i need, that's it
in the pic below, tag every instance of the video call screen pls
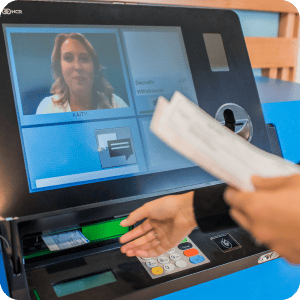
(85, 97)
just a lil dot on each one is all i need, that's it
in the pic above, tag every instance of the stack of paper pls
(196, 135)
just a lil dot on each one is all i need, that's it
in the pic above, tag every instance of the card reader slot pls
(99, 233)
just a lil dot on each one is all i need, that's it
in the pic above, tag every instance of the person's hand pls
(168, 221)
(271, 213)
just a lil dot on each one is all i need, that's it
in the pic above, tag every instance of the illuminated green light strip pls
(39, 253)
(36, 294)
(94, 233)
(105, 230)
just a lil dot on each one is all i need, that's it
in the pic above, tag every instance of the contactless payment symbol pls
(225, 242)
(115, 147)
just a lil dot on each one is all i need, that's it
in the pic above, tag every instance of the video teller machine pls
(79, 84)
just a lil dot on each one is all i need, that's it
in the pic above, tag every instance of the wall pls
(259, 24)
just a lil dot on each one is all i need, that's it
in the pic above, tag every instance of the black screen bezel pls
(18, 201)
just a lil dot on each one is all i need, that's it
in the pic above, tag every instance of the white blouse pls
(47, 106)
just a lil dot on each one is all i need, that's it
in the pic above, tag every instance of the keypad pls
(186, 255)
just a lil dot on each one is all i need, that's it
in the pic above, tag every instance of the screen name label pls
(80, 114)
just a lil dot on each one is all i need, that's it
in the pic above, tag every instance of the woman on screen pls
(79, 83)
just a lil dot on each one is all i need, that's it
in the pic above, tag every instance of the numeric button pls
(163, 259)
(151, 263)
(175, 256)
(169, 267)
(180, 264)
(171, 251)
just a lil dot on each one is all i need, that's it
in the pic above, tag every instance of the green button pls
(183, 241)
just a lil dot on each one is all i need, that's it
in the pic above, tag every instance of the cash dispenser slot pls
(99, 233)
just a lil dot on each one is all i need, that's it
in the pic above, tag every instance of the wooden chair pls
(277, 57)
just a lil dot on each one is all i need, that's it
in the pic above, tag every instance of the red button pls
(190, 252)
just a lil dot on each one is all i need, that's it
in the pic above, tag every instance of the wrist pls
(186, 208)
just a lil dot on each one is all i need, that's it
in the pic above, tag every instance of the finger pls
(237, 199)
(148, 246)
(144, 250)
(288, 252)
(145, 239)
(137, 215)
(136, 232)
(270, 182)
(230, 193)
(264, 234)
(240, 218)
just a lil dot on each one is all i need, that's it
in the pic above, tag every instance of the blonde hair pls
(102, 90)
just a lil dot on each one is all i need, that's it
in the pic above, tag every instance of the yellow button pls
(157, 270)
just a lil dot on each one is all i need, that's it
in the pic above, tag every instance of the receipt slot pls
(236, 119)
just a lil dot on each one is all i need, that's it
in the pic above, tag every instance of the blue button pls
(197, 259)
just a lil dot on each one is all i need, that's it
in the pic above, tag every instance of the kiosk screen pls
(85, 96)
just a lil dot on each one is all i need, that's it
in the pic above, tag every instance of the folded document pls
(192, 132)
